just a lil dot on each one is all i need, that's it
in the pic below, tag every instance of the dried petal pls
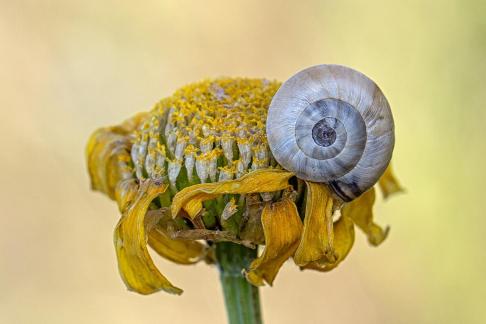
(108, 152)
(360, 211)
(134, 262)
(104, 151)
(178, 251)
(282, 228)
(389, 185)
(142, 148)
(316, 243)
(191, 198)
(343, 239)
(343, 242)
(158, 225)
(125, 193)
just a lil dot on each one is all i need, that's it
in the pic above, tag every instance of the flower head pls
(197, 169)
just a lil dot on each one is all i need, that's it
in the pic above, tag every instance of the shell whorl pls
(332, 124)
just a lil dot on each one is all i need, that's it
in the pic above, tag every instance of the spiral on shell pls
(332, 124)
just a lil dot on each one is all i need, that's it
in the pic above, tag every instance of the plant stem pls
(242, 299)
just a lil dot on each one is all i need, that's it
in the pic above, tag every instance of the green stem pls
(242, 299)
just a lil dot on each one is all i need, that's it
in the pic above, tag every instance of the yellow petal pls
(131, 124)
(100, 145)
(178, 251)
(107, 152)
(160, 226)
(96, 143)
(388, 183)
(343, 239)
(265, 180)
(282, 228)
(125, 192)
(134, 262)
(343, 242)
(108, 155)
(360, 211)
(316, 243)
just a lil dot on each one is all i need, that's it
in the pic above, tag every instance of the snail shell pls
(332, 124)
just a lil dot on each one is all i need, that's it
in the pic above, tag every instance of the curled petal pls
(282, 228)
(343, 239)
(158, 223)
(360, 211)
(316, 243)
(131, 124)
(134, 262)
(191, 198)
(178, 251)
(343, 242)
(388, 183)
(125, 192)
(102, 149)
(107, 155)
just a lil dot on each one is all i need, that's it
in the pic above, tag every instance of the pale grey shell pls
(332, 124)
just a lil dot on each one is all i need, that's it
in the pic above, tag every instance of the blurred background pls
(69, 67)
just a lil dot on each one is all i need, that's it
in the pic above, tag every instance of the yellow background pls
(68, 67)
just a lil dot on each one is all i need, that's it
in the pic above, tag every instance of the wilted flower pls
(197, 169)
